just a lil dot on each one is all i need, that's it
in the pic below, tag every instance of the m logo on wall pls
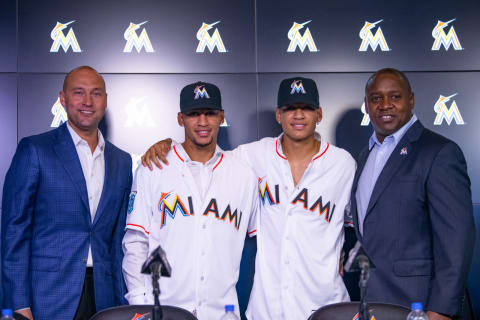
(371, 40)
(138, 113)
(59, 114)
(133, 40)
(447, 113)
(366, 118)
(299, 40)
(445, 39)
(60, 40)
(210, 41)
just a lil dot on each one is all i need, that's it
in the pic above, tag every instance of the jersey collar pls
(323, 147)
(182, 155)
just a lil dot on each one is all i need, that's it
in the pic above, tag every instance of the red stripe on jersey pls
(276, 149)
(221, 158)
(138, 226)
(328, 145)
(174, 149)
(253, 231)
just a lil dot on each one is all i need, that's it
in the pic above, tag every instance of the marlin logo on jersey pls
(200, 92)
(370, 40)
(357, 317)
(297, 87)
(297, 40)
(131, 201)
(60, 40)
(170, 208)
(211, 42)
(366, 118)
(266, 194)
(59, 114)
(444, 112)
(327, 210)
(445, 39)
(133, 40)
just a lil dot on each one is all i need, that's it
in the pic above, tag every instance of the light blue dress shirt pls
(379, 154)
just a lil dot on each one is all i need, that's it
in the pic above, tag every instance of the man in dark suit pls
(64, 211)
(412, 204)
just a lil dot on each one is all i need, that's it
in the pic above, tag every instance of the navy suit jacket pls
(47, 227)
(419, 228)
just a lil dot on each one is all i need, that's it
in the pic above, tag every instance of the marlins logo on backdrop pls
(366, 118)
(60, 40)
(297, 40)
(370, 40)
(211, 42)
(297, 87)
(59, 114)
(133, 40)
(138, 114)
(445, 39)
(447, 113)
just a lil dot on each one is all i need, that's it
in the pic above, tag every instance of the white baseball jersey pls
(299, 230)
(202, 235)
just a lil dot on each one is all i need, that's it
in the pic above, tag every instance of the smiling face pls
(84, 99)
(298, 121)
(201, 126)
(389, 103)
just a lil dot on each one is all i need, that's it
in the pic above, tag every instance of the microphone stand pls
(156, 268)
(363, 312)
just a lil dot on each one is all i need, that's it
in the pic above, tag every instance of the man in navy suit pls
(64, 211)
(412, 204)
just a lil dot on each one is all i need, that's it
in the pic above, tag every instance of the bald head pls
(81, 68)
(391, 71)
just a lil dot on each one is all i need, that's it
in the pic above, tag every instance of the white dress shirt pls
(93, 167)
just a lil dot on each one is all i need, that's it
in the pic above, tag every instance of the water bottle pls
(229, 313)
(417, 312)
(7, 314)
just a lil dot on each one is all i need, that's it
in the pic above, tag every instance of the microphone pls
(157, 259)
(358, 259)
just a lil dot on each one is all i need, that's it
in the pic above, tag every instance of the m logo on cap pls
(201, 92)
(297, 87)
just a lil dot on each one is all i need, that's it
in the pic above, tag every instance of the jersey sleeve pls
(252, 223)
(139, 211)
(246, 152)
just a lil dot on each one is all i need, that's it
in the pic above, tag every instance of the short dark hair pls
(67, 76)
(393, 71)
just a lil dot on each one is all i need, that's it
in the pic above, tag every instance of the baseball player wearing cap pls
(304, 186)
(199, 209)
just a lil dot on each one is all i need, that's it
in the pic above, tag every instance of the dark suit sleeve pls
(451, 214)
(120, 287)
(18, 206)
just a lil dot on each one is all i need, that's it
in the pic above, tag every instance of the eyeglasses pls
(198, 113)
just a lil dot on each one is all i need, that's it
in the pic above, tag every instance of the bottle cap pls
(417, 306)
(7, 312)
(229, 308)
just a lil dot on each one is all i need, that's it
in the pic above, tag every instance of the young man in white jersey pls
(304, 186)
(199, 209)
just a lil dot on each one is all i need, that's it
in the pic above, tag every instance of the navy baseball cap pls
(200, 95)
(298, 90)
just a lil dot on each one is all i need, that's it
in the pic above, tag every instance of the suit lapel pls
(108, 182)
(66, 152)
(361, 164)
(395, 162)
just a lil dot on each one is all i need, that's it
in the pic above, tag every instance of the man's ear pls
(278, 116)
(180, 119)
(61, 94)
(319, 115)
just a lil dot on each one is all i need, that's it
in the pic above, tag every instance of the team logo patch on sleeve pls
(131, 201)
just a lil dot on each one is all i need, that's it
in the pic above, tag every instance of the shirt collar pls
(396, 136)
(77, 139)
(183, 155)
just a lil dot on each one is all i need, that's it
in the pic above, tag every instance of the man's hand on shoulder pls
(437, 316)
(27, 313)
(157, 152)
